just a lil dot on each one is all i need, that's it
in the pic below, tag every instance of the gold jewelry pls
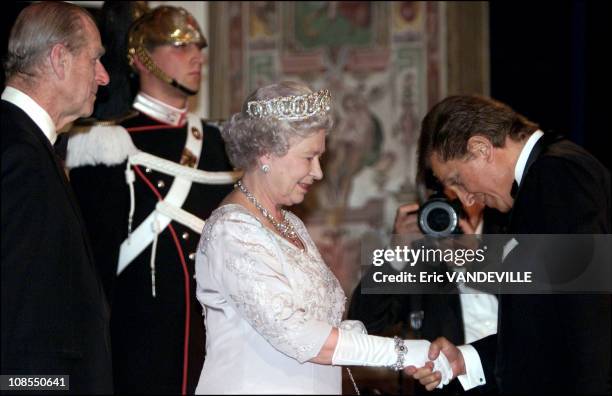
(285, 228)
(291, 108)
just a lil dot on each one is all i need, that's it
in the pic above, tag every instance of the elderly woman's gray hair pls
(250, 134)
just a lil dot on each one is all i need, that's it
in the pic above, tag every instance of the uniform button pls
(196, 133)
(161, 184)
(185, 235)
(148, 170)
(191, 256)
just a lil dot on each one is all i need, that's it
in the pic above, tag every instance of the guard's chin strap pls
(146, 60)
(183, 88)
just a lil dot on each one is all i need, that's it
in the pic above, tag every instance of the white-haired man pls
(54, 314)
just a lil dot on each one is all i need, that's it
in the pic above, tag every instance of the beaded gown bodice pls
(269, 307)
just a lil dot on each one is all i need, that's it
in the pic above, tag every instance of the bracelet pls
(401, 350)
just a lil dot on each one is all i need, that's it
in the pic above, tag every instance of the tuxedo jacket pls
(55, 319)
(556, 343)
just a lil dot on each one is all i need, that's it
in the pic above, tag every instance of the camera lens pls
(438, 217)
(439, 220)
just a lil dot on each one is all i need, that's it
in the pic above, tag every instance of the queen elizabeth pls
(272, 308)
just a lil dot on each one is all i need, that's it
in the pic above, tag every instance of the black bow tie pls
(514, 189)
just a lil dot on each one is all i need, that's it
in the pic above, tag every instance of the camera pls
(439, 216)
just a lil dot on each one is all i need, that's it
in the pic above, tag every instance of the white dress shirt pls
(39, 115)
(478, 309)
(522, 159)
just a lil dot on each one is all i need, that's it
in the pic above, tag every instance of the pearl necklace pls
(285, 228)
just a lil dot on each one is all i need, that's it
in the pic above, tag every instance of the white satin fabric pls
(268, 307)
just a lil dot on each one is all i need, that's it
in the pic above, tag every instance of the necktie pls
(59, 149)
(60, 146)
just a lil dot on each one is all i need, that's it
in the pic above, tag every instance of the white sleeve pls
(474, 373)
(250, 267)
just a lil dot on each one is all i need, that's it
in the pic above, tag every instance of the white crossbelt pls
(169, 208)
(172, 168)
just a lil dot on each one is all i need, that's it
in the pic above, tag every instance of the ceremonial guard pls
(145, 185)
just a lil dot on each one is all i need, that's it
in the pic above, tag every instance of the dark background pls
(548, 61)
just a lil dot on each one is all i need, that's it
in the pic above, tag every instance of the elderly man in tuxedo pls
(54, 313)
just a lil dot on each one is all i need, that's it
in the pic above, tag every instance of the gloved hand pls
(442, 365)
(357, 349)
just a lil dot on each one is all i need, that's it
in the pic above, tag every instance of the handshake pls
(433, 376)
(433, 364)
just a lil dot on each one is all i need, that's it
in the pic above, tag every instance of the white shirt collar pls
(519, 169)
(39, 115)
(160, 111)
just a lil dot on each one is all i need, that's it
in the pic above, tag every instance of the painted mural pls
(383, 63)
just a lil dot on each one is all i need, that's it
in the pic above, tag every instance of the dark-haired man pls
(488, 153)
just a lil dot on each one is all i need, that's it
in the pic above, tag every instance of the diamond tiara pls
(291, 108)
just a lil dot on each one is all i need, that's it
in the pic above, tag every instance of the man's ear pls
(480, 147)
(59, 59)
(138, 66)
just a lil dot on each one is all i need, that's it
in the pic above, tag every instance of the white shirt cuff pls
(474, 374)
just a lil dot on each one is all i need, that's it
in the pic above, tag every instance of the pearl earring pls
(265, 168)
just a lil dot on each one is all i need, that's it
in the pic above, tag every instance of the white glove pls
(442, 365)
(354, 349)
(356, 326)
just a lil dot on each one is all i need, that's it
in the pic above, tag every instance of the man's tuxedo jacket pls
(54, 313)
(556, 343)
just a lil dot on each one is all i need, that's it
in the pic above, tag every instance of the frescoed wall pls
(384, 64)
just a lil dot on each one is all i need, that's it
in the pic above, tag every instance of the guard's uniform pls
(148, 332)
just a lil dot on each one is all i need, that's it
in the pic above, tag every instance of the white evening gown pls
(268, 308)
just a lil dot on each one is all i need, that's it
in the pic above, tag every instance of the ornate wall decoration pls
(383, 63)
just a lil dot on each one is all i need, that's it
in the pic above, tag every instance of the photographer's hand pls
(467, 227)
(406, 220)
(469, 224)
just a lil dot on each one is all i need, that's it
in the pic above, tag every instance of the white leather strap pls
(180, 215)
(156, 222)
(172, 168)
